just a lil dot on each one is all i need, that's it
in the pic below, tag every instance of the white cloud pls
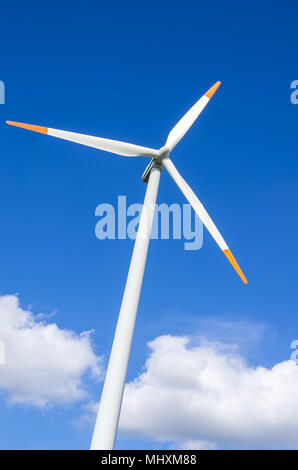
(194, 445)
(44, 364)
(87, 418)
(206, 394)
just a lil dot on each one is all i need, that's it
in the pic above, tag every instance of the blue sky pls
(129, 71)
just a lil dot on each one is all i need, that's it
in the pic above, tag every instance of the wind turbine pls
(110, 404)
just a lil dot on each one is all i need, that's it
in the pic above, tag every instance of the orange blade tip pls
(235, 265)
(43, 130)
(212, 90)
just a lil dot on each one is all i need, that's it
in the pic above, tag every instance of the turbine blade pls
(113, 146)
(189, 118)
(202, 213)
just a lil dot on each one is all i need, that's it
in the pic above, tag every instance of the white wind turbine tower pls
(110, 404)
